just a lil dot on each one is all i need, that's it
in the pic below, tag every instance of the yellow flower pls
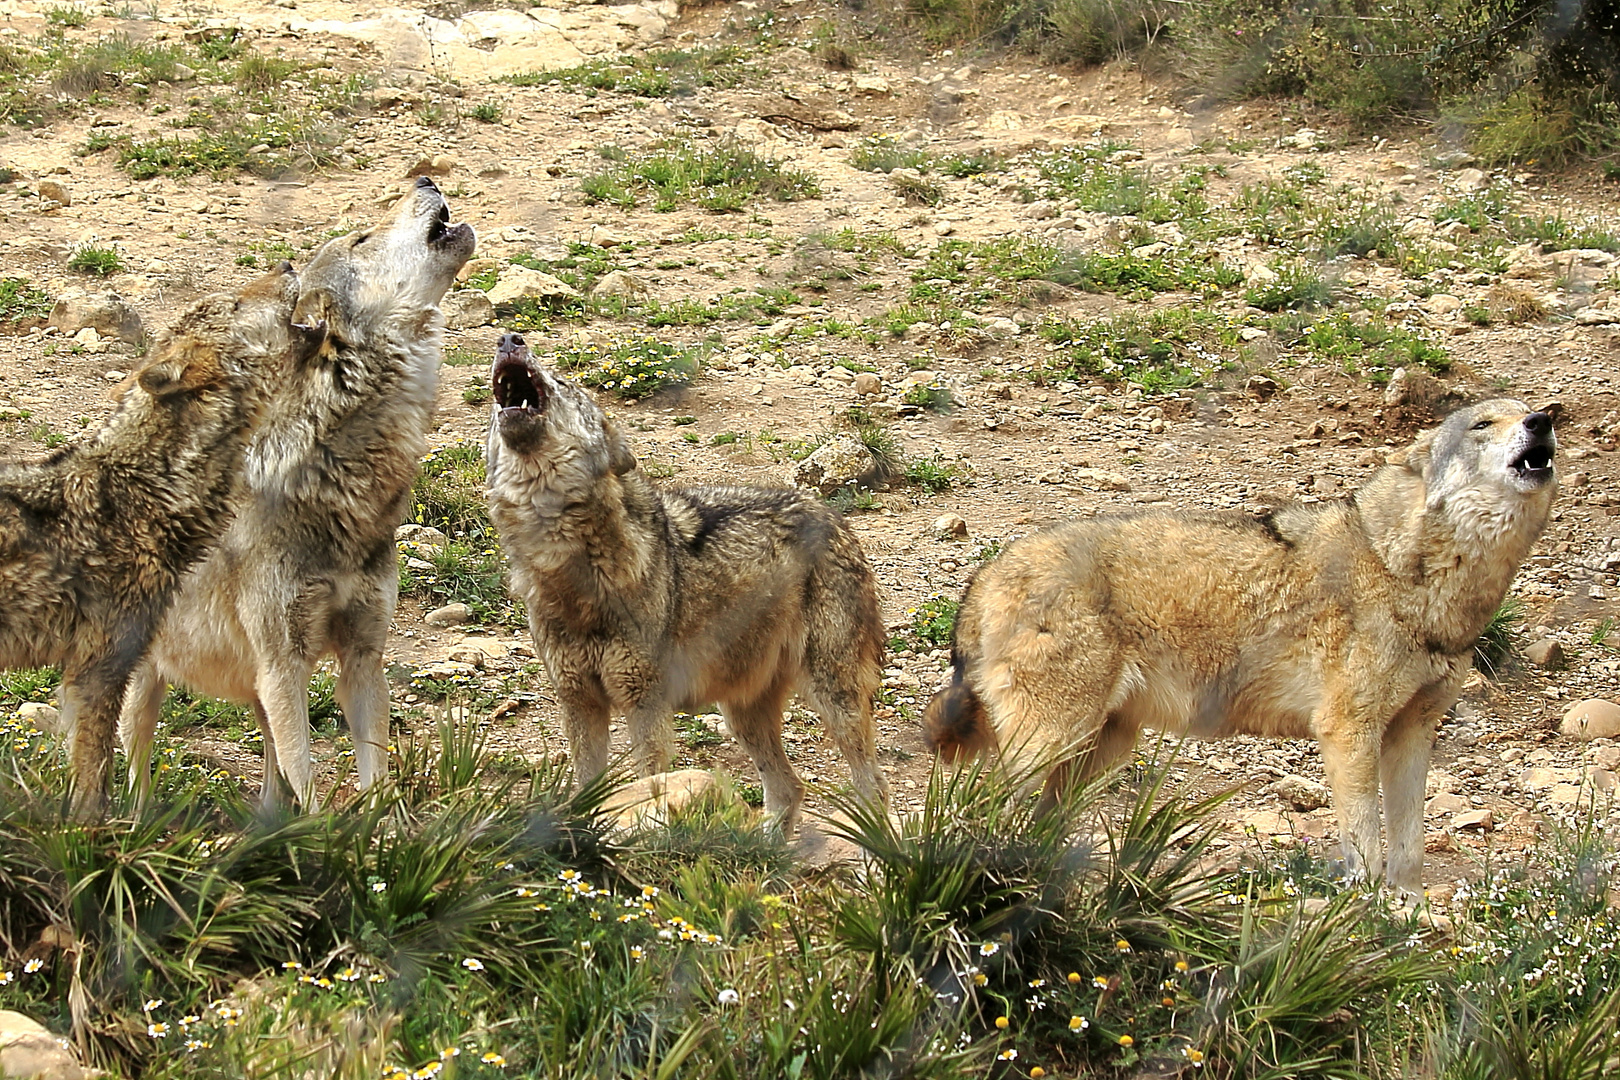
(1122, 945)
(492, 1058)
(1002, 1022)
(1194, 1056)
(1074, 978)
(1100, 981)
(1126, 1040)
(1036, 1073)
(1181, 965)
(1078, 1023)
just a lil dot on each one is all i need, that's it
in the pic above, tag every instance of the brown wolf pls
(95, 537)
(1351, 621)
(643, 601)
(307, 568)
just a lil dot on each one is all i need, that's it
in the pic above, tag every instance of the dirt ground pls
(1020, 448)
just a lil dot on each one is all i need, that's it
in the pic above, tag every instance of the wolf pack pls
(230, 526)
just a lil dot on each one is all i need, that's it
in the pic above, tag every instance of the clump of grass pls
(112, 61)
(884, 154)
(631, 369)
(1295, 287)
(463, 572)
(23, 302)
(721, 178)
(1515, 304)
(932, 623)
(933, 398)
(67, 16)
(931, 474)
(1495, 647)
(486, 112)
(1162, 350)
(260, 74)
(1373, 346)
(101, 260)
(657, 73)
(264, 146)
(449, 492)
(916, 189)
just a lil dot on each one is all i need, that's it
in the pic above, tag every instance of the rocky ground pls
(850, 317)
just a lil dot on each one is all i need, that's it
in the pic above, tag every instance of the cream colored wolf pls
(1351, 621)
(645, 600)
(307, 569)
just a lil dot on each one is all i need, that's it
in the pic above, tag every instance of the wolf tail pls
(955, 725)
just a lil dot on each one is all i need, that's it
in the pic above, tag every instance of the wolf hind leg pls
(843, 700)
(585, 724)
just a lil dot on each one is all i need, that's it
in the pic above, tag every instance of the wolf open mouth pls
(1535, 463)
(515, 387)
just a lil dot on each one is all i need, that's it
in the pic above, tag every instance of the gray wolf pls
(95, 537)
(1350, 621)
(643, 601)
(307, 568)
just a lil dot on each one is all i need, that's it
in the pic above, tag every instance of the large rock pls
(839, 462)
(1301, 792)
(621, 283)
(521, 283)
(1546, 653)
(449, 615)
(28, 1051)
(467, 309)
(1594, 718)
(654, 799)
(105, 312)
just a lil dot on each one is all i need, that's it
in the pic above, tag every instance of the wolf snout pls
(426, 182)
(1539, 424)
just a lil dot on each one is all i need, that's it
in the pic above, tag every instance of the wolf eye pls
(1481, 426)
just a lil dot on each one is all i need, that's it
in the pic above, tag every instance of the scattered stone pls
(1301, 792)
(951, 526)
(1537, 778)
(1261, 387)
(44, 717)
(872, 85)
(1596, 316)
(1546, 653)
(1472, 180)
(867, 384)
(467, 309)
(521, 283)
(422, 537)
(652, 799)
(621, 283)
(1482, 820)
(1413, 388)
(54, 191)
(105, 312)
(839, 462)
(473, 658)
(1102, 479)
(437, 165)
(1266, 823)
(28, 1051)
(1441, 304)
(449, 615)
(1594, 718)
(1446, 803)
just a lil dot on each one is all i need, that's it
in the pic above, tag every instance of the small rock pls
(1412, 387)
(437, 165)
(28, 1051)
(621, 283)
(1601, 779)
(1102, 479)
(182, 73)
(42, 716)
(1266, 823)
(1546, 653)
(1594, 718)
(651, 800)
(1446, 803)
(422, 537)
(1606, 757)
(952, 526)
(1261, 387)
(449, 615)
(867, 384)
(521, 283)
(384, 96)
(1537, 778)
(472, 657)
(1594, 316)
(1301, 792)
(105, 312)
(1474, 819)
(467, 309)
(840, 461)
(54, 191)
(872, 85)
(1441, 304)
(1472, 180)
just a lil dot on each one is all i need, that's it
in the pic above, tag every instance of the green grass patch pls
(449, 492)
(1160, 351)
(932, 623)
(658, 73)
(270, 146)
(631, 369)
(1494, 650)
(720, 178)
(101, 260)
(23, 302)
(1372, 346)
(1293, 286)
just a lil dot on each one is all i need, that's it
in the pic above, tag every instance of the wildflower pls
(428, 1071)
(980, 978)
(990, 948)
(450, 1052)
(1036, 1073)
(324, 983)
(1126, 1040)
(568, 875)
(729, 996)
(194, 1045)
(1100, 981)
(1168, 1002)
(189, 1019)
(1078, 1023)
(1008, 1054)
(158, 1031)
(1075, 979)
(1122, 945)
(492, 1058)
(473, 964)
(376, 977)
(6, 978)
(379, 886)
(290, 965)
(650, 891)
(542, 907)
(1181, 965)
(1002, 1022)
(1194, 1056)
(637, 953)
(348, 974)
(1036, 984)
(150, 1004)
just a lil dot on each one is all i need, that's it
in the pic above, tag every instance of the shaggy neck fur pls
(1453, 556)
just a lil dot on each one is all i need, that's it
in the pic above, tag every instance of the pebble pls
(449, 615)
(952, 526)
(42, 716)
(867, 384)
(1482, 820)
(1547, 654)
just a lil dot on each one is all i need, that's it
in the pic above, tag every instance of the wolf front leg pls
(92, 695)
(1404, 764)
(1350, 746)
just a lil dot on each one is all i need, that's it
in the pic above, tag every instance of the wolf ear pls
(620, 459)
(308, 339)
(180, 374)
(315, 309)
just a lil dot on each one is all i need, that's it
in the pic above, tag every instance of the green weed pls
(631, 369)
(102, 260)
(21, 301)
(721, 178)
(1495, 647)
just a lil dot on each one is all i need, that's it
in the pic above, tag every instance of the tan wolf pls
(307, 569)
(95, 537)
(1350, 621)
(643, 601)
